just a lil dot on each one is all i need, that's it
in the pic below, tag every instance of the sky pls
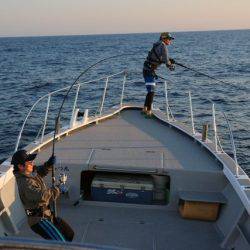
(80, 17)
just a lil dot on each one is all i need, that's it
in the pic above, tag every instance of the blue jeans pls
(150, 88)
(149, 79)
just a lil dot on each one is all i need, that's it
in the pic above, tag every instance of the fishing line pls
(200, 73)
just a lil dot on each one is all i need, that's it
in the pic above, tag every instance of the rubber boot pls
(150, 101)
(147, 99)
(144, 110)
(149, 114)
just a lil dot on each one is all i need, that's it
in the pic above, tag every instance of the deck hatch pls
(139, 158)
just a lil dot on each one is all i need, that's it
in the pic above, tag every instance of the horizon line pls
(101, 34)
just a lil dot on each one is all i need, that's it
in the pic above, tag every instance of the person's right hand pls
(172, 61)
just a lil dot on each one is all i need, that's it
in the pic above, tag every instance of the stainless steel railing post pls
(232, 144)
(123, 87)
(166, 99)
(191, 111)
(215, 128)
(45, 118)
(75, 102)
(104, 95)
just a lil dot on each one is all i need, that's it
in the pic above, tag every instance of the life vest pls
(153, 58)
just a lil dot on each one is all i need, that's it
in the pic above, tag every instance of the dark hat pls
(21, 156)
(166, 35)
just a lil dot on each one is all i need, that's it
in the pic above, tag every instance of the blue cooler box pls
(122, 188)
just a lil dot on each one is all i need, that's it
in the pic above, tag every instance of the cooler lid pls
(123, 181)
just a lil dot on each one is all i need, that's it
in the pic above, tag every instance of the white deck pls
(130, 141)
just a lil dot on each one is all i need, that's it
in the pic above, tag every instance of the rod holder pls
(85, 116)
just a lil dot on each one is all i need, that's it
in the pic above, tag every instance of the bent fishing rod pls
(60, 110)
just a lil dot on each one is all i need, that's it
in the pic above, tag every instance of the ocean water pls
(30, 67)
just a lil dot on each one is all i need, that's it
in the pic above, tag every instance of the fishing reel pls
(62, 183)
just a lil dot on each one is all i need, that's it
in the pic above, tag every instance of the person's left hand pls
(51, 161)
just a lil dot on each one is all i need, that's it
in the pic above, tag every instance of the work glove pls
(172, 61)
(49, 163)
(171, 67)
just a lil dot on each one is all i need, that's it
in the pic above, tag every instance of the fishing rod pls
(198, 72)
(60, 110)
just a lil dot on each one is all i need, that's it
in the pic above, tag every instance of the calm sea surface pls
(31, 67)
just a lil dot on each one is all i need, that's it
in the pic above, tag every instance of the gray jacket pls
(157, 56)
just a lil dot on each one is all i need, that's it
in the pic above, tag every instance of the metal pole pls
(123, 87)
(166, 98)
(215, 128)
(104, 94)
(45, 118)
(232, 144)
(191, 111)
(76, 98)
(25, 120)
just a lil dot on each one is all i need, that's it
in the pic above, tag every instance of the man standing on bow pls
(36, 197)
(156, 56)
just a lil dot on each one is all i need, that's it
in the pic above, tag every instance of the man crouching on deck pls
(36, 197)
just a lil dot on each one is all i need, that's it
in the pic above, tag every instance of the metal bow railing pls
(125, 82)
(49, 95)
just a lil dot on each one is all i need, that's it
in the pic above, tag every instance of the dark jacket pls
(34, 193)
(156, 56)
